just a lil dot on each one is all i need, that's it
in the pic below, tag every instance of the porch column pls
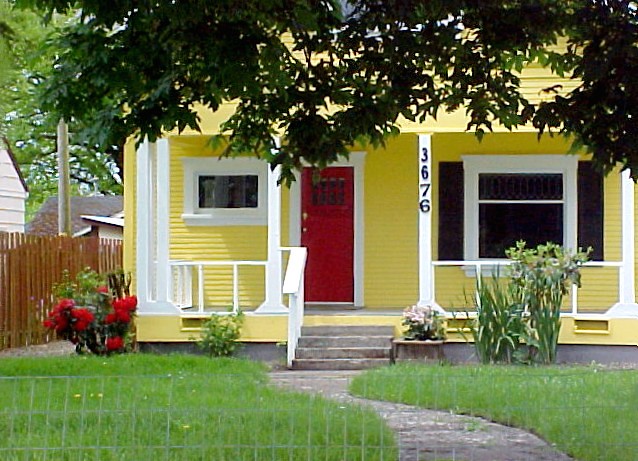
(143, 225)
(424, 204)
(626, 305)
(162, 191)
(273, 302)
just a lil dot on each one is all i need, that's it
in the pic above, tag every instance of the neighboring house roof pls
(109, 220)
(113, 222)
(45, 221)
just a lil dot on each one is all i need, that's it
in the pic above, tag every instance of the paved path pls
(425, 434)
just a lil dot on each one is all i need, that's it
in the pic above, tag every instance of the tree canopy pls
(29, 131)
(324, 74)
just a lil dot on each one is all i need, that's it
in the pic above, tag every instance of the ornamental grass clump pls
(423, 323)
(96, 317)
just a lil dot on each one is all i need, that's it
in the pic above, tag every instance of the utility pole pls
(64, 180)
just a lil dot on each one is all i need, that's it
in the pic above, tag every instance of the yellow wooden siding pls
(454, 286)
(130, 212)
(206, 243)
(391, 224)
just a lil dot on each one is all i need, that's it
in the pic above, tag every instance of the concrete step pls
(343, 353)
(345, 341)
(348, 330)
(338, 364)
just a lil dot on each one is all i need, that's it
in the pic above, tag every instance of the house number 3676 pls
(424, 181)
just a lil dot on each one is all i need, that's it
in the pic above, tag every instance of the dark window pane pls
(329, 191)
(520, 186)
(228, 191)
(502, 225)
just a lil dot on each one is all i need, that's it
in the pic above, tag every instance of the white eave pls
(109, 220)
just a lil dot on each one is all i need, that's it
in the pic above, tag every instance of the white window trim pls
(211, 166)
(473, 165)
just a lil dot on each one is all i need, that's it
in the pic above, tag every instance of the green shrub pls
(220, 334)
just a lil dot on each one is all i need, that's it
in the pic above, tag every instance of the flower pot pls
(406, 350)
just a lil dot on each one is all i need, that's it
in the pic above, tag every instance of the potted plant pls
(423, 337)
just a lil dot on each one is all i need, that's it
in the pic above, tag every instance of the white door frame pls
(357, 161)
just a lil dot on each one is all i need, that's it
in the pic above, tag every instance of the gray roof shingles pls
(45, 221)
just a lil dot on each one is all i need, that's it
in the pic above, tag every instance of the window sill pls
(213, 220)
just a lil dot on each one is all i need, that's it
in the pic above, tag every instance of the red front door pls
(327, 230)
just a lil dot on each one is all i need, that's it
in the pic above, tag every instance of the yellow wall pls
(391, 224)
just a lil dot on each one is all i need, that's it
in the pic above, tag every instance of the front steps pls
(343, 347)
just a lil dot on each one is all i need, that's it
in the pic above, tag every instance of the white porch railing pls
(182, 281)
(491, 266)
(293, 286)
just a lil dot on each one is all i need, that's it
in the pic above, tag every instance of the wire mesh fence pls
(180, 418)
(402, 412)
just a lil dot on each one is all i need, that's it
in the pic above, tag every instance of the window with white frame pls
(518, 197)
(225, 192)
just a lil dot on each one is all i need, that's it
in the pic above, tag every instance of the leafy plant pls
(424, 323)
(499, 325)
(90, 316)
(220, 334)
(542, 276)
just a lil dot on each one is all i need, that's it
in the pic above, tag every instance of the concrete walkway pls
(425, 434)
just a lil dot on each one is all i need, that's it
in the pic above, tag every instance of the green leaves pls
(323, 75)
(220, 334)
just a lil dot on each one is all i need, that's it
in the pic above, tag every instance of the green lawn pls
(587, 412)
(142, 407)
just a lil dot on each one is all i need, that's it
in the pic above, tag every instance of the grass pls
(139, 407)
(586, 412)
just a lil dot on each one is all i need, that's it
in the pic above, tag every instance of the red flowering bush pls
(95, 317)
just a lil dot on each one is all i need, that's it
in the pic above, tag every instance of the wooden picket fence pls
(30, 266)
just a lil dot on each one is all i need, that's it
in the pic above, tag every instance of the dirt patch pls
(54, 348)
(430, 435)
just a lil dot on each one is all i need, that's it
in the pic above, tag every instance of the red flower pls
(60, 324)
(131, 302)
(122, 316)
(83, 318)
(118, 304)
(110, 318)
(114, 343)
(48, 324)
(65, 304)
(102, 289)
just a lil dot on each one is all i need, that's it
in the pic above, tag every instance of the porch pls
(175, 294)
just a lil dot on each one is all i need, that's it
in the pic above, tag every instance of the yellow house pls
(410, 223)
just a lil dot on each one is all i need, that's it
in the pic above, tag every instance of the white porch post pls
(143, 225)
(273, 302)
(162, 190)
(424, 206)
(626, 305)
(627, 274)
